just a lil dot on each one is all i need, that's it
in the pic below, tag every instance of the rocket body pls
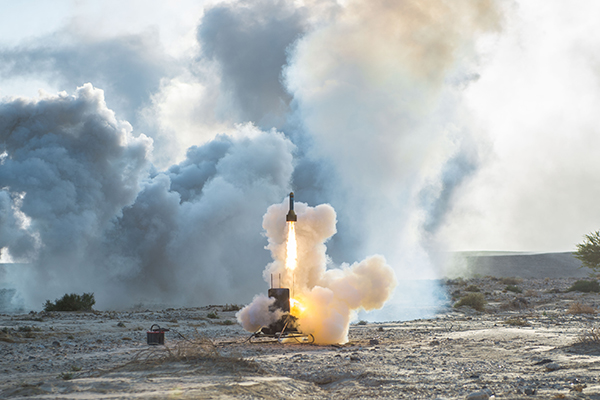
(291, 215)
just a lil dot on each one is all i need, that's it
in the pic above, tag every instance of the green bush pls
(212, 315)
(588, 252)
(473, 300)
(585, 286)
(71, 302)
(513, 288)
(66, 376)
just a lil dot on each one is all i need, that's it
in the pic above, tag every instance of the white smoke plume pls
(326, 298)
(259, 313)
(378, 90)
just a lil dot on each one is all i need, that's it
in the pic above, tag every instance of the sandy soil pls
(524, 345)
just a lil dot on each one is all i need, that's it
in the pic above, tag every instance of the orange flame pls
(296, 308)
(291, 260)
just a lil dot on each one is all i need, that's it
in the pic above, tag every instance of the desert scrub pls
(473, 300)
(66, 376)
(71, 302)
(531, 293)
(472, 288)
(457, 282)
(212, 315)
(513, 288)
(511, 280)
(518, 303)
(29, 329)
(231, 307)
(578, 308)
(585, 286)
(198, 350)
(591, 336)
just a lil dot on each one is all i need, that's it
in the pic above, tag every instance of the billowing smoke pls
(378, 89)
(260, 312)
(366, 100)
(81, 204)
(324, 299)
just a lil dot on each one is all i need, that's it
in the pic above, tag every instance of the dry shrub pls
(473, 300)
(511, 280)
(199, 351)
(518, 303)
(578, 308)
(513, 288)
(554, 290)
(6, 337)
(591, 336)
(531, 293)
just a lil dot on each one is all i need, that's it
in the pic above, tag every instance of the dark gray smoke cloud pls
(436, 199)
(78, 204)
(69, 168)
(249, 41)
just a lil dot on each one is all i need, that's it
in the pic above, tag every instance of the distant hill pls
(8, 295)
(524, 265)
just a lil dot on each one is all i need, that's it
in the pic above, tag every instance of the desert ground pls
(532, 340)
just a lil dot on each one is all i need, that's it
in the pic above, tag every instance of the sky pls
(138, 135)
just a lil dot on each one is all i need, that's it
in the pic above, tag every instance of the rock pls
(529, 391)
(481, 395)
(552, 366)
(121, 324)
(56, 343)
(373, 342)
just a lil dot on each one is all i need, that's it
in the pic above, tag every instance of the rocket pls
(291, 215)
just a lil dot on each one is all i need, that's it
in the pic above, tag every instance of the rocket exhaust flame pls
(291, 258)
(296, 308)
